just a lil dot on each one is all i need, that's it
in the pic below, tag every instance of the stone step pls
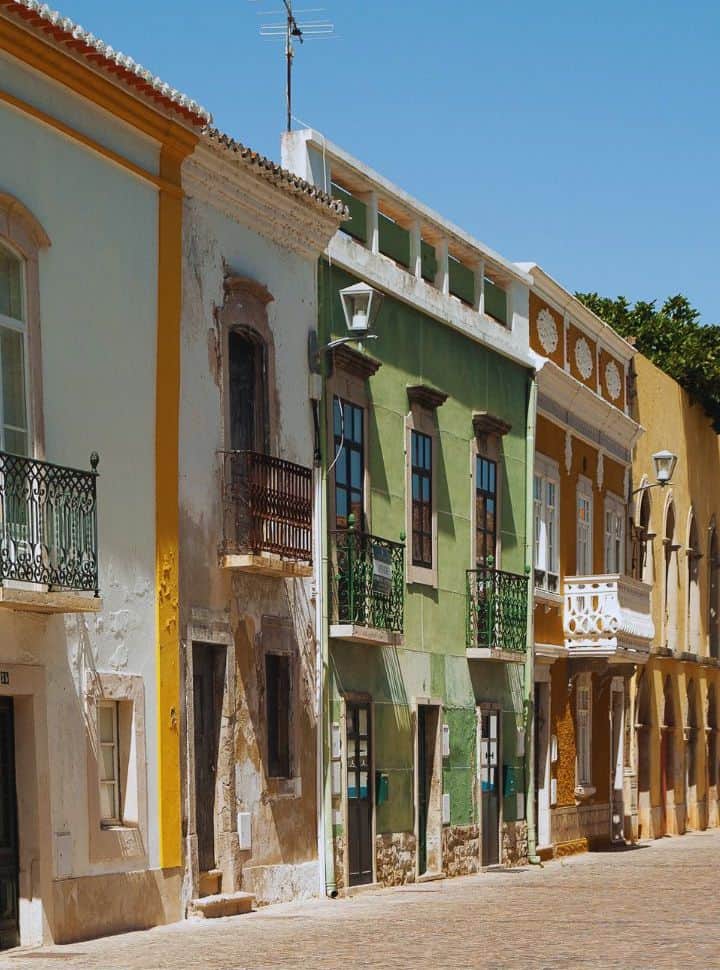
(211, 882)
(222, 904)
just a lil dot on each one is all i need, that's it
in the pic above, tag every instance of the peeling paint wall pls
(260, 612)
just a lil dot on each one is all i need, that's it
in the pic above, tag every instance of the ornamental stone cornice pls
(293, 221)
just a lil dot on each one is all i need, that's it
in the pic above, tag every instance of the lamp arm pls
(644, 488)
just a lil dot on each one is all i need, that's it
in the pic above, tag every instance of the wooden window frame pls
(583, 736)
(488, 448)
(614, 508)
(422, 474)
(117, 817)
(423, 420)
(353, 389)
(584, 492)
(547, 472)
(342, 449)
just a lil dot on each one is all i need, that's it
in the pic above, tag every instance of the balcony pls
(367, 586)
(497, 604)
(48, 536)
(608, 617)
(267, 515)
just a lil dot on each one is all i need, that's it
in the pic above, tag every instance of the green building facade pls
(425, 433)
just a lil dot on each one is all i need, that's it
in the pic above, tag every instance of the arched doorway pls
(643, 724)
(711, 733)
(690, 736)
(667, 759)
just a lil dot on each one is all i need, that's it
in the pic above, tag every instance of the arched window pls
(693, 588)
(643, 565)
(14, 428)
(714, 595)
(672, 580)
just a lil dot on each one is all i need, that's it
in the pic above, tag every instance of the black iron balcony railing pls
(367, 580)
(48, 524)
(267, 506)
(497, 604)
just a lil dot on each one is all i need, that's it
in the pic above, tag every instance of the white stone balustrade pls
(608, 616)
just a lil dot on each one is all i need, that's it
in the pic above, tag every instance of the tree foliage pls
(673, 338)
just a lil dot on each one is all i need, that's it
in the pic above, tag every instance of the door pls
(424, 779)
(617, 775)
(9, 926)
(359, 794)
(490, 787)
(208, 689)
(665, 747)
(542, 763)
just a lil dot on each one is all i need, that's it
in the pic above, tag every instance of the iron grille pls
(367, 580)
(48, 523)
(267, 506)
(497, 605)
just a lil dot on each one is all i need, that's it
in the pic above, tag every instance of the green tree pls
(673, 338)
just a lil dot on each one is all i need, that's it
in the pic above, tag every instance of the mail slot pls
(512, 779)
(382, 787)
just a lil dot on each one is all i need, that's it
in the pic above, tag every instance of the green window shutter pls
(495, 302)
(462, 281)
(428, 261)
(394, 240)
(356, 225)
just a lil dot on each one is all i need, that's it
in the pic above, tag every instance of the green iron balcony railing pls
(497, 604)
(48, 524)
(367, 580)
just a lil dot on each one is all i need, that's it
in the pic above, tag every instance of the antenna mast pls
(290, 31)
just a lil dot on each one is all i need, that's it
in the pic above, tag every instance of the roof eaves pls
(65, 31)
(276, 174)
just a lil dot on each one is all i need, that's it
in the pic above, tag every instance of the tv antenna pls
(290, 31)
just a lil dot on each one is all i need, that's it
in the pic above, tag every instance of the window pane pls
(16, 442)
(357, 425)
(13, 377)
(107, 762)
(106, 723)
(107, 801)
(10, 285)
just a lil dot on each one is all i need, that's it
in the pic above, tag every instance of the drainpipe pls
(529, 685)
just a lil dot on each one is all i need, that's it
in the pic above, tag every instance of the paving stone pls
(653, 906)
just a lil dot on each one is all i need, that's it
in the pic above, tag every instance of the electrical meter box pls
(512, 780)
(382, 787)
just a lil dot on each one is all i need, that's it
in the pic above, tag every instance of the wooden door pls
(9, 926)
(490, 787)
(359, 794)
(208, 689)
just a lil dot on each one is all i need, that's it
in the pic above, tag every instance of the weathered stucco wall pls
(216, 245)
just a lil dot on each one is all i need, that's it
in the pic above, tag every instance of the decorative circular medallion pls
(583, 357)
(612, 380)
(547, 331)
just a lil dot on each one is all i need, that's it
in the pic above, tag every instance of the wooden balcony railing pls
(48, 524)
(367, 580)
(267, 506)
(497, 604)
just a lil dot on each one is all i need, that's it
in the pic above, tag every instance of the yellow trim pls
(80, 77)
(88, 142)
(167, 507)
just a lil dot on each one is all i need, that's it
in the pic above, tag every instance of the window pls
(277, 684)
(348, 438)
(584, 528)
(109, 762)
(13, 403)
(614, 534)
(693, 589)
(247, 385)
(546, 491)
(421, 471)
(643, 565)
(583, 710)
(485, 510)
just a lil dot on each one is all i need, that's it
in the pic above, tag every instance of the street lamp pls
(360, 304)
(664, 462)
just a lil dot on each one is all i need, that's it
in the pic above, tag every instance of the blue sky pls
(581, 136)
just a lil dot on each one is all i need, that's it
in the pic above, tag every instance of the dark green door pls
(9, 927)
(423, 789)
(490, 787)
(359, 794)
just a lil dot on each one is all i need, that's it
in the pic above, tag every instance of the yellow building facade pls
(592, 620)
(676, 549)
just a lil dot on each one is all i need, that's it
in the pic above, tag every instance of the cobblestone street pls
(631, 908)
